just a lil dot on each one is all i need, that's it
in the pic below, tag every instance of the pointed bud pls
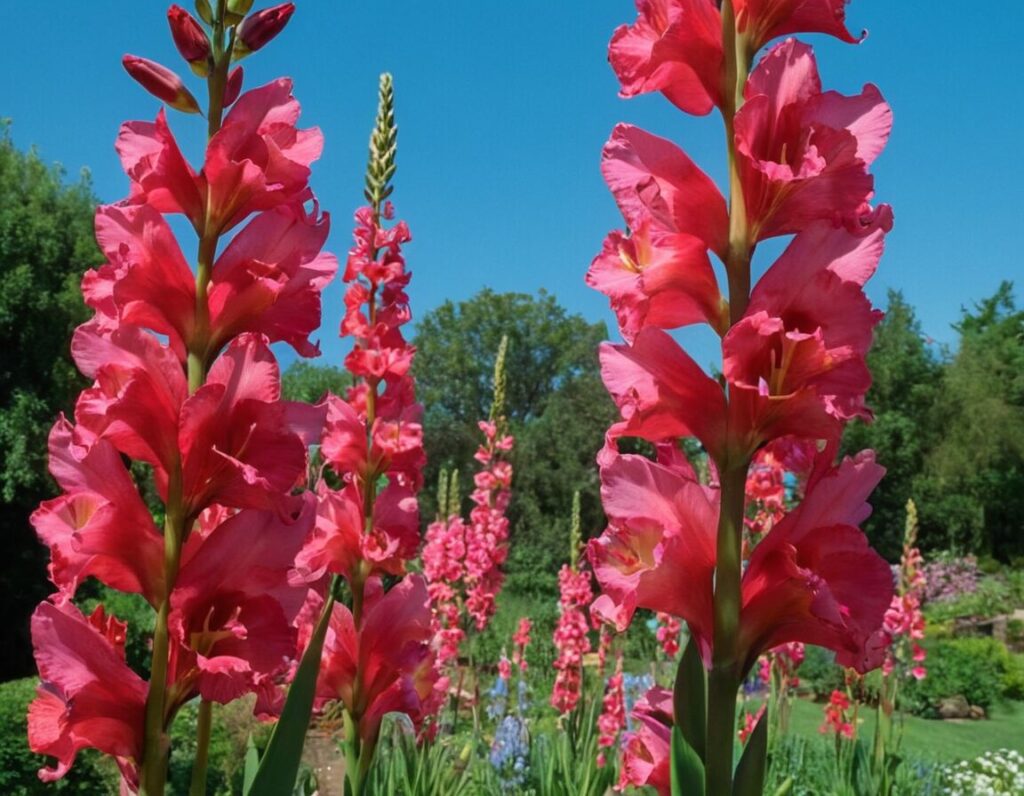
(204, 11)
(236, 9)
(233, 87)
(260, 28)
(161, 82)
(190, 39)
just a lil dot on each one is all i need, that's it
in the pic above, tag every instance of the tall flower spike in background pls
(185, 383)
(793, 368)
(374, 655)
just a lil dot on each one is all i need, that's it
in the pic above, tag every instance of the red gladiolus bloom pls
(233, 608)
(87, 697)
(675, 47)
(258, 160)
(387, 665)
(796, 362)
(812, 579)
(804, 154)
(764, 20)
(653, 179)
(657, 278)
(645, 753)
(100, 526)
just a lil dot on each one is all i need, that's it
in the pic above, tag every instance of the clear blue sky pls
(503, 108)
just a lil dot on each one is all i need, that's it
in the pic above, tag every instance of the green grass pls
(932, 739)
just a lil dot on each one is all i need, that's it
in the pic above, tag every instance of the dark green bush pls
(91, 775)
(980, 669)
(820, 672)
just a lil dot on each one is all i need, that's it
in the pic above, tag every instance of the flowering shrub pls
(949, 577)
(992, 773)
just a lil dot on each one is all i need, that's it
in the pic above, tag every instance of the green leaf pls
(280, 764)
(252, 762)
(689, 698)
(687, 768)
(749, 779)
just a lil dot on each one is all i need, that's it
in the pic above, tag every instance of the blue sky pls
(503, 108)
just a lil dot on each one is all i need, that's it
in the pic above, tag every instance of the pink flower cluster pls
(667, 634)
(571, 636)
(750, 721)
(487, 530)
(837, 720)
(462, 558)
(904, 621)
(645, 758)
(184, 382)
(783, 662)
(612, 720)
(520, 641)
(378, 655)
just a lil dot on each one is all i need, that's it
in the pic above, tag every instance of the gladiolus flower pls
(675, 47)
(256, 31)
(764, 20)
(233, 608)
(161, 82)
(812, 579)
(645, 753)
(804, 154)
(87, 697)
(656, 278)
(387, 664)
(100, 525)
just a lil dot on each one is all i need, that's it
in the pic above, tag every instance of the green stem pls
(204, 723)
(353, 769)
(156, 744)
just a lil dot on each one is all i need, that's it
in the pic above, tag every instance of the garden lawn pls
(932, 739)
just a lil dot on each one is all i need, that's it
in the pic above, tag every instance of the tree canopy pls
(46, 244)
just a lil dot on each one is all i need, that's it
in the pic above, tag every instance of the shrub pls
(980, 669)
(90, 775)
(950, 576)
(820, 672)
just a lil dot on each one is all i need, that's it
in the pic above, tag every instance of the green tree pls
(46, 243)
(556, 406)
(973, 484)
(906, 377)
(306, 381)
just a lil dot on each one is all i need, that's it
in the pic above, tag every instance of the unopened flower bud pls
(161, 82)
(190, 39)
(236, 9)
(204, 11)
(260, 28)
(233, 87)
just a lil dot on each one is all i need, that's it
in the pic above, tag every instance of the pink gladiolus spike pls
(675, 47)
(652, 178)
(99, 526)
(161, 82)
(612, 720)
(87, 697)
